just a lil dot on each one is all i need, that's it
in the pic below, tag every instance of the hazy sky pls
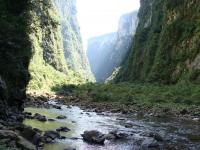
(97, 17)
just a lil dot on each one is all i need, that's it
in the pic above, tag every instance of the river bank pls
(141, 131)
(21, 136)
(87, 102)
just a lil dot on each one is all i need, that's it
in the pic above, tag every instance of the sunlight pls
(97, 17)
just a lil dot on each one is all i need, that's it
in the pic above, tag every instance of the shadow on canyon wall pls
(15, 53)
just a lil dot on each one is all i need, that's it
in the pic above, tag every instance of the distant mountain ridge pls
(107, 52)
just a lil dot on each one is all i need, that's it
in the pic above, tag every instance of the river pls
(176, 134)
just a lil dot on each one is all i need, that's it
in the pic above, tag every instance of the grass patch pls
(180, 95)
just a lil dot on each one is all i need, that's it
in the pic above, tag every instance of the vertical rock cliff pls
(58, 55)
(108, 51)
(71, 38)
(33, 50)
(166, 46)
(15, 53)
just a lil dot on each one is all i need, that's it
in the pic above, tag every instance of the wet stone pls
(57, 107)
(52, 135)
(93, 137)
(51, 120)
(40, 117)
(156, 136)
(63, 129)
(149, 143)
(118, 134)
(61, 117)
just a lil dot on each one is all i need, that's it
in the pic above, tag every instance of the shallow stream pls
(177, 134)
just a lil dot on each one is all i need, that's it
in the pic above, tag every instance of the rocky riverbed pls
(70, 127)
(52, 123)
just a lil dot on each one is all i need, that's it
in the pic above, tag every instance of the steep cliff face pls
(31, 41)
(48, 65)
(166, 46)
(108, 51)
(98, 50)
(15, 53)
(71, 38)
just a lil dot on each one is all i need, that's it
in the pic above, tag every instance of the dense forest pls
(149, 95)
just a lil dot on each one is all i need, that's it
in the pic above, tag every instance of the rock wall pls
(50, 25)
(71, 38)
(166, 45)
(32, 49)
(107, 52)
(15, 53)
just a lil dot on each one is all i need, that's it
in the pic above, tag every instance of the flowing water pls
(177, 134)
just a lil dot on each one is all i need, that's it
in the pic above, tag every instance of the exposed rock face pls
(107, 52)
(31, 41)
(48, 66)
(166, 45)
(71, 38)
(15, 53)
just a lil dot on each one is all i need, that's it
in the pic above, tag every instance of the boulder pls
(40, 117)
(22, 143)
(50, 136)
(57, 107)
(183, 111)
(94, 137)
(52, 120)
(118, 135)
(61, 117)
(28, 115)
(149, 143)
(109, 137)
(156, 136)
(63, 129)
(33, 135)
(8, 134)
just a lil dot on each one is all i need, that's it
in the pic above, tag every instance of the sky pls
(98, 17)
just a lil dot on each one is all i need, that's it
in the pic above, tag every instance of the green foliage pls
(48, 66)
(176, 96)
(165, 45)
(71, 38)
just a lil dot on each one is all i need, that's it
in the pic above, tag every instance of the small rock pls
(40, 117)
(184, 111)
(119, 135)
(51, 120)
(48, 140)
(27, 113)
(57, 107)
(109, 137)
(61, 117)
(93, 136)
(156, 136)
(121, 119)
(123, 111)
(8, 134)
(1, 126)
(69, 149)
(63, 129)
(149, 143)
(62, 137)
(128, 125)
(50, 136)
(24, 144)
